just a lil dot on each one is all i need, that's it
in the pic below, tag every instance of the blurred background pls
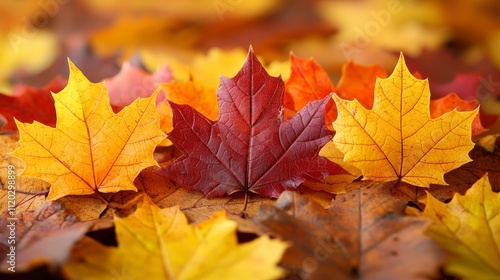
(455, 43)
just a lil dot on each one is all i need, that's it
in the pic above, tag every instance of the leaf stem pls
(99, 195)
(242, 213)
(246, 202)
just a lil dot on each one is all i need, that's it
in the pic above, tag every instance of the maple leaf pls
(196, 84)
(250, 148)
(133, 82)
(365, 234)
(451, 101)
(309, 81)
(208, 68)
(30, 103)
(469, 228)
(45, 235)
(31, 192)
(358, 82)
(194, 93)
(91, 149)
(164, 242)
(397, 139)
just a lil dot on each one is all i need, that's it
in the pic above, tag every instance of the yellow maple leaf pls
(159, 243)
(469, 228)
(91, 148)
(397, 139)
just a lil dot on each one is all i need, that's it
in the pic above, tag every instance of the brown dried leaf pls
(363, 235)
(43, 236)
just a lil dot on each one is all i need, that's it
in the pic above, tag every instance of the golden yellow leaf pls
(91, 148)
(31, 192)
(397, 139)
(469, 228)
(156, 243)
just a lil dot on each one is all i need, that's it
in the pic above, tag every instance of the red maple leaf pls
(250, 148)
(28, 104)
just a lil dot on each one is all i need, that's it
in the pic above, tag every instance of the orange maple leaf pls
(192, 92)
(452, 101)
(309, 81)
(91, 148)
(397, 139)
(358, 81)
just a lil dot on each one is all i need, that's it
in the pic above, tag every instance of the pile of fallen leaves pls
(146, 176)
